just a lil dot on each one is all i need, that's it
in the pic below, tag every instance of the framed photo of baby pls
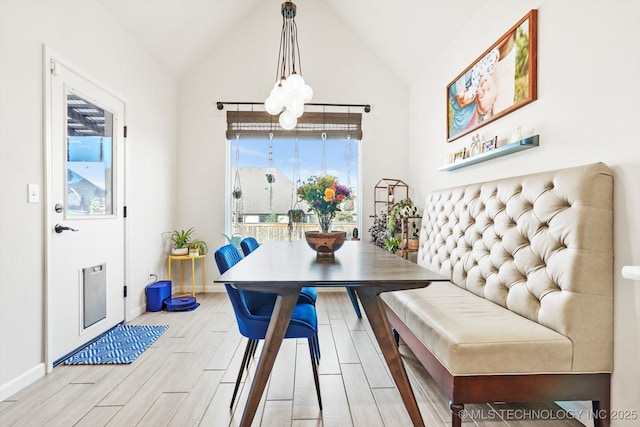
(501, 80)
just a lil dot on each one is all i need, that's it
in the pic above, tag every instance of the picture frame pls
(488, 145)
(503, 79)
(459, 155)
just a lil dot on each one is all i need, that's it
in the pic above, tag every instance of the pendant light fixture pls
(290, 92)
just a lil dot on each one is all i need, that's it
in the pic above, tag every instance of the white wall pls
(339, 67)
(84, 35)
(587, 111)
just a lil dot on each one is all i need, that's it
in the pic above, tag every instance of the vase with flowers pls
(324, 196)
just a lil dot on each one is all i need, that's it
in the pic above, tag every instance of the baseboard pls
(141, 309)
(136, 312)
(12, 387)
(216, 287)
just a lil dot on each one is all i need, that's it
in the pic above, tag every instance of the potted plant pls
(401, 212)
(181, 240)
(197, 247)
(295, 215)
(392, 244)
(413, 243)
(379, 230)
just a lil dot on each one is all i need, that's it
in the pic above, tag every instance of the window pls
(89, 158)
(267, 165)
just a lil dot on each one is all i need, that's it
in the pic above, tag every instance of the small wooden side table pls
(193, 271)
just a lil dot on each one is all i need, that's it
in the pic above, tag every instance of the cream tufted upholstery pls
(538, 251)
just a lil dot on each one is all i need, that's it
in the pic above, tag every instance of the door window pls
(89, 162)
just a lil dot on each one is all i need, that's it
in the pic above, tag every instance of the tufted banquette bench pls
(528, 313)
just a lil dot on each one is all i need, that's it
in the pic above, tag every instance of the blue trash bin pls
(157, 293)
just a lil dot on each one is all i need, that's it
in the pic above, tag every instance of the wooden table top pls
(356, 263)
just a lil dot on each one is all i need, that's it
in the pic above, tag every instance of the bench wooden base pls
(509, 388)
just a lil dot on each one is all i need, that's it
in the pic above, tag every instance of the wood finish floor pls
(187, 376)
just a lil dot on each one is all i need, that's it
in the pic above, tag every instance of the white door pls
(86, 261)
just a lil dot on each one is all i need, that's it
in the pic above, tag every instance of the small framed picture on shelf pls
(489, 144)
(459, 155)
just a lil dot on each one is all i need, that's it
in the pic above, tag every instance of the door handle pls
(60, 228)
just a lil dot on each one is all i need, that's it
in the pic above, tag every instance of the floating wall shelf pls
(513, 147)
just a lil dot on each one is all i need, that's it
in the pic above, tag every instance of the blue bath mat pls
(120, 345)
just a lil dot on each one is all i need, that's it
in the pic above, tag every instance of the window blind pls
(311, 125)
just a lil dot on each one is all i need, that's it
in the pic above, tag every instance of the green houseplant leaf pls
(181, 238)
(200, 245)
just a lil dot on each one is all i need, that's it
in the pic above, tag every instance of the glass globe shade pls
(295, 82)
(307, 93)
(284, 84)
(288, 120)
(295, 106)
(279, 96)
(272, 106)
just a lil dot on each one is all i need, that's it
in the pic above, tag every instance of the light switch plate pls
(33, 191)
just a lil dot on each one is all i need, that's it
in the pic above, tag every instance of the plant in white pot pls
(181, 240)
(197, 247)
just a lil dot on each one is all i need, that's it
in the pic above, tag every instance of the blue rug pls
(122, 344)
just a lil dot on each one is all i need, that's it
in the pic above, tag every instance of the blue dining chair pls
(307, 294)
(253, 313)
(248, 245)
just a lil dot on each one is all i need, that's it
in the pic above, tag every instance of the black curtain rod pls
(367, 107)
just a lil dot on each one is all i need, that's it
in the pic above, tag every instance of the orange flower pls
(329, 194)
(323, 194)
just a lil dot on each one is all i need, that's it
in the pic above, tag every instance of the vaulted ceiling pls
(180, 32)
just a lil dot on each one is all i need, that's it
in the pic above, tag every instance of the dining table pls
(284, 267)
